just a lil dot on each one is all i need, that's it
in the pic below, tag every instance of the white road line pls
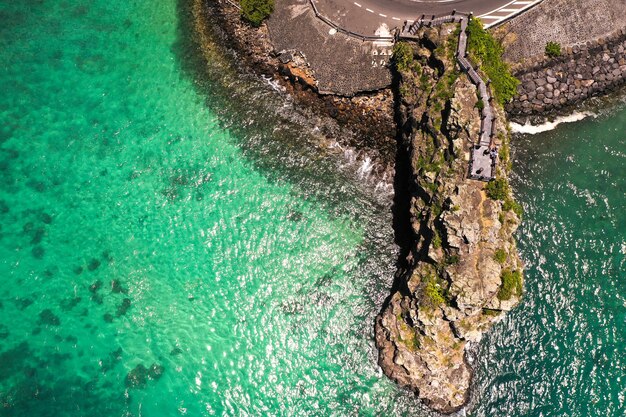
(370, 10)
(382, 15)
(357, 4)
(395, 18)
(507, 11)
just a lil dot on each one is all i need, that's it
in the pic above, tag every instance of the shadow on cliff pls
(403, 230)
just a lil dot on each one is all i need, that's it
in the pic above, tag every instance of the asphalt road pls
(366, 16)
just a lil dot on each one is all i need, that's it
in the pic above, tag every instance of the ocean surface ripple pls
(178, 239)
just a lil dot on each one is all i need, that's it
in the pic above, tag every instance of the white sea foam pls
(273, 83)
(544, 127)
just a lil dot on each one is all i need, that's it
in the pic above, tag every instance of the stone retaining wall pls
(581, 72)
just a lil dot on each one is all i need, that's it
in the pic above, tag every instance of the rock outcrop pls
(462, 270)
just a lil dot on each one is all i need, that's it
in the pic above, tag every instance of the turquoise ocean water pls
(170, 246)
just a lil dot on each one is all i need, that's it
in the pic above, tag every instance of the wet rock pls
(47, 317)
(176, 351)
(45, 217)
(78, 270)
(108, 318)
(4, 331)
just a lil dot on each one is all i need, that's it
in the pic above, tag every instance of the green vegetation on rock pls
(504, 153)
(490, 312)
(410, 340)
(553, 49)
(511, 284)
(500, 256)
(402, 56)
(498, 189)
(255, 11)
(510, 204)
(434, 294)
(436, 238)
(486, 50)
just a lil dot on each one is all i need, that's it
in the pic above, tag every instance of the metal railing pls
(346, 31)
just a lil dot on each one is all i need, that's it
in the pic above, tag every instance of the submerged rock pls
(38, 252)
(139, 376)
(123, 307)
(93, 264)
(49, 318)
(155, 371)
(116, 287)
(93, 288)
(69, 303)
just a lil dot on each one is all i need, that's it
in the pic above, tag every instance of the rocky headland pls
(462, 270)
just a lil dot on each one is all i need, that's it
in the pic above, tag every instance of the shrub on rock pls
(255, 11)
(553, 49)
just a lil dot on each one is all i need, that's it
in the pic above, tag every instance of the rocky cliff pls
(462, 270)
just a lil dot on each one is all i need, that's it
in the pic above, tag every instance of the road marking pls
(357, 4)
(507, 10)
(395, 18)
(491, 17)
(370, 10)
(522, 2)
(382, 15)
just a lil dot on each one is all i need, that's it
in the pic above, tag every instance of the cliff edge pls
(462, 270)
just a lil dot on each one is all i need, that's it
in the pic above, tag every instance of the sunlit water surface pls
(170, 246)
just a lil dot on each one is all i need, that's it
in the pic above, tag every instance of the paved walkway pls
(484, 152)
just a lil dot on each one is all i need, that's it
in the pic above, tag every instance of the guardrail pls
(232, 3)
(348, 32)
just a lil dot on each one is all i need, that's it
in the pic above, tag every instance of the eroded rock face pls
(463, 241)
